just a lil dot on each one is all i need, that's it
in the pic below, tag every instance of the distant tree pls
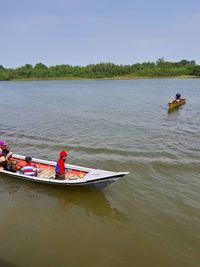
(23, 72)
(161, 68)
(196, 71)
(39, 71)
(160, 61)
(193, 62)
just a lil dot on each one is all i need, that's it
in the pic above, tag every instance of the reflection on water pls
(91, 201)
(174, 110)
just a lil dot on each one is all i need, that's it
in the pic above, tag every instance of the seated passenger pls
(60, 166)
(11, 163)
(5, 154)
(29, 169)
(178, 97)
(2, 159)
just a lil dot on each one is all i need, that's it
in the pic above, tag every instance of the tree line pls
(160, 68)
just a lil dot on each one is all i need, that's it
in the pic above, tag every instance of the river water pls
(150, 217)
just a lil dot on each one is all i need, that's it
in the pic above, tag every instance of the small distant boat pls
(176, 103)
(74, 175)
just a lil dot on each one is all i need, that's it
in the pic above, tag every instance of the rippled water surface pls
(151, 217)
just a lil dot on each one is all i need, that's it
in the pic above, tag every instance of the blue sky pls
(82, 32)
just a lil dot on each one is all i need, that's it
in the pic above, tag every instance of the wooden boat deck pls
(48, 171)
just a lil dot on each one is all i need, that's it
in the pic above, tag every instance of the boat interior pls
(47, 171)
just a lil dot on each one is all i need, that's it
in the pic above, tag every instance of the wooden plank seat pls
(46, 173)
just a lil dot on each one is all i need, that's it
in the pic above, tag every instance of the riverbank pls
(102, 71)
(111, 78)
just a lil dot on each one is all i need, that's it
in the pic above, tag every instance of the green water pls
(151, 217)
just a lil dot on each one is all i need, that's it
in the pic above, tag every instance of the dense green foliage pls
(160, 68)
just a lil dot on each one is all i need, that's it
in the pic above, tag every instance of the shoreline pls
(112, 78)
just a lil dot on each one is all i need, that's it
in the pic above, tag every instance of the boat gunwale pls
(110, 175)
(173, 104)
(68, 166)
(63, 182)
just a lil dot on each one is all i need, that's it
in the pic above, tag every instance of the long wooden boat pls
(174, 103)
(74, 176)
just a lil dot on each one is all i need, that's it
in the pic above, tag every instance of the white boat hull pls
(75, 175)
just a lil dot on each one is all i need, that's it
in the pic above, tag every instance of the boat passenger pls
(29, 168)
(2, 159)
(60, 166)
(178, 97)
(5, 154)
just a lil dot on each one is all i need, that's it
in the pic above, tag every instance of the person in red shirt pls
(60, 166)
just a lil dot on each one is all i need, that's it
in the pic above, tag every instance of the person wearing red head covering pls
(60, 166)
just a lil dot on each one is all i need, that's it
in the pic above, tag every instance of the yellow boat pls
(176, 103)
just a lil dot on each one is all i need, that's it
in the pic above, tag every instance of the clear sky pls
(81, 32)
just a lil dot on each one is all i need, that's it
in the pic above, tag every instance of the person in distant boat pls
(5, 154)
(60, 166)
(29, 168)
(178, 97)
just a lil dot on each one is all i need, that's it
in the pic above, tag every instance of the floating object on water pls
(74, 175)
(176, 103)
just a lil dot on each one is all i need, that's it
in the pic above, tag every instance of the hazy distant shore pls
(112, 78)
(103, 71)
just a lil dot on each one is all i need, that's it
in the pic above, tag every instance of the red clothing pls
(60, 167)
